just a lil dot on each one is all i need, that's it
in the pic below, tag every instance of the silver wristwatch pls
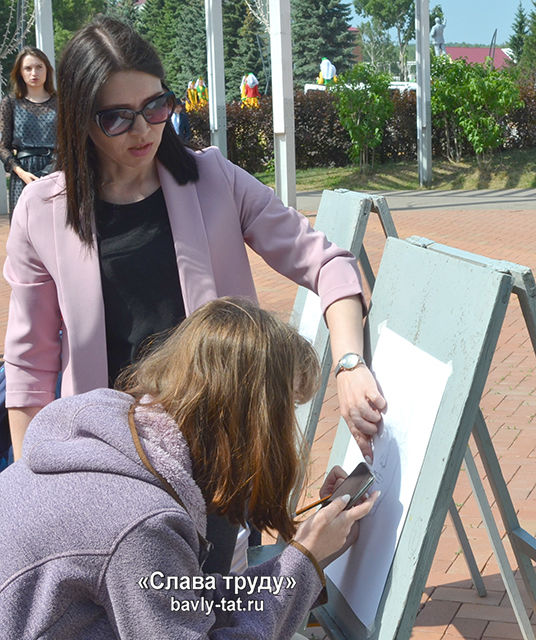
(349, 362)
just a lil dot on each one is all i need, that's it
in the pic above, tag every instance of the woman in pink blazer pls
(83, 261)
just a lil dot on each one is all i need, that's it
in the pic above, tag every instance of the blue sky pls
(474, 21)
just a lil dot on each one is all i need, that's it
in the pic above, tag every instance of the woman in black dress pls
(28, 122)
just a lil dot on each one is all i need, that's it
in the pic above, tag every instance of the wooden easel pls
(347, 230)
(337, 617)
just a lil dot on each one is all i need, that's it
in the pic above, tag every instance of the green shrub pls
(472, 102)
(364, 105)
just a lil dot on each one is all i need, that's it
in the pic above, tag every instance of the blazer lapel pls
(190, 240)
(81, 302)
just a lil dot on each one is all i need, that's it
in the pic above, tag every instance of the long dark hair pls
(19, 86)
(229, 376)
(103, 47)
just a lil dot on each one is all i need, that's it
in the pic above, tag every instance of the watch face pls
(350, 361)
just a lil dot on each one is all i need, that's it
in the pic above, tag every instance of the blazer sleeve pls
(161, 552)
(287, 242)
(32, 344)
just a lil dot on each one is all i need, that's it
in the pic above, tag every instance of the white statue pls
(436, 35)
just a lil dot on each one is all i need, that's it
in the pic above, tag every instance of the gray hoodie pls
(92, 547)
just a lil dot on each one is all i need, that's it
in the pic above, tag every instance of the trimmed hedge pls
(320, 138)
(250, 142)
(321, 141)
(399, 138)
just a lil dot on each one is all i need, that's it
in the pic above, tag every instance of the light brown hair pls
(19, 86)
(229, 376)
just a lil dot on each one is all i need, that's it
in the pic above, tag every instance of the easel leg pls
(366, 268)
(498, 549)
(467, 551)
(523, 544)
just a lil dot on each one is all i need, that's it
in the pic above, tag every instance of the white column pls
(283, 101)
(44, 29)
(424, 117)
(216, 75)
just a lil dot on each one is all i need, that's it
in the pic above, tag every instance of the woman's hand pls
(25, 176)
(361, 405)
(360, 401)
(332, 530)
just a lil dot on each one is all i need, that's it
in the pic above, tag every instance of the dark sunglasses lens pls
(115, 121)
(158, 110)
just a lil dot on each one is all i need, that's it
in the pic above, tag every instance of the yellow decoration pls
(191, 97)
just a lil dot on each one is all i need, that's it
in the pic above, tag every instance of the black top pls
(140, 279)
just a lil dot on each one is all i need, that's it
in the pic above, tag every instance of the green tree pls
(158, 22)
(126, 10)
(320, 29)
(397, 14)
(446, 101)
(251, 56)
(150, 20)
(520, 30)
(364, 105)
(69, 15)
(189, 54)
(234, 15)
(377, 48)
(473, 100)
(527, 61)
(436, 12)
(10, 38)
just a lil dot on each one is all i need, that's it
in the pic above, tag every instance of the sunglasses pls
(114, 122)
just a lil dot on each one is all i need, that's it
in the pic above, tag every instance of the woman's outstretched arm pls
(360, 401)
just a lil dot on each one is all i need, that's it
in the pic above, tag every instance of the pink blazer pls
(56, 283)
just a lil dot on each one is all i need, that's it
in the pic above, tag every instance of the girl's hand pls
(332, 530)
(333, 480)
(25, 176)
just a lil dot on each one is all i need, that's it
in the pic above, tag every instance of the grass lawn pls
(506, 170)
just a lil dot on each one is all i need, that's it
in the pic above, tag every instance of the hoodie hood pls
(90, 433)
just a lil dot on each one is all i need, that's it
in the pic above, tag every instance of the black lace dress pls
(30, 128)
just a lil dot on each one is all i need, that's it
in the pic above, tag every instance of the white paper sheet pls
(413, 383)
(310, 317)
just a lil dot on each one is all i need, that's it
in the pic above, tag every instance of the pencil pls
(313, 504)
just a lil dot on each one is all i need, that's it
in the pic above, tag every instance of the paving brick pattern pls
(450, 607)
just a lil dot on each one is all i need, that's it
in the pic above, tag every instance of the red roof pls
(479, 54)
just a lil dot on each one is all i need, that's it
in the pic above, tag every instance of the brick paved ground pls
(451, 608)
